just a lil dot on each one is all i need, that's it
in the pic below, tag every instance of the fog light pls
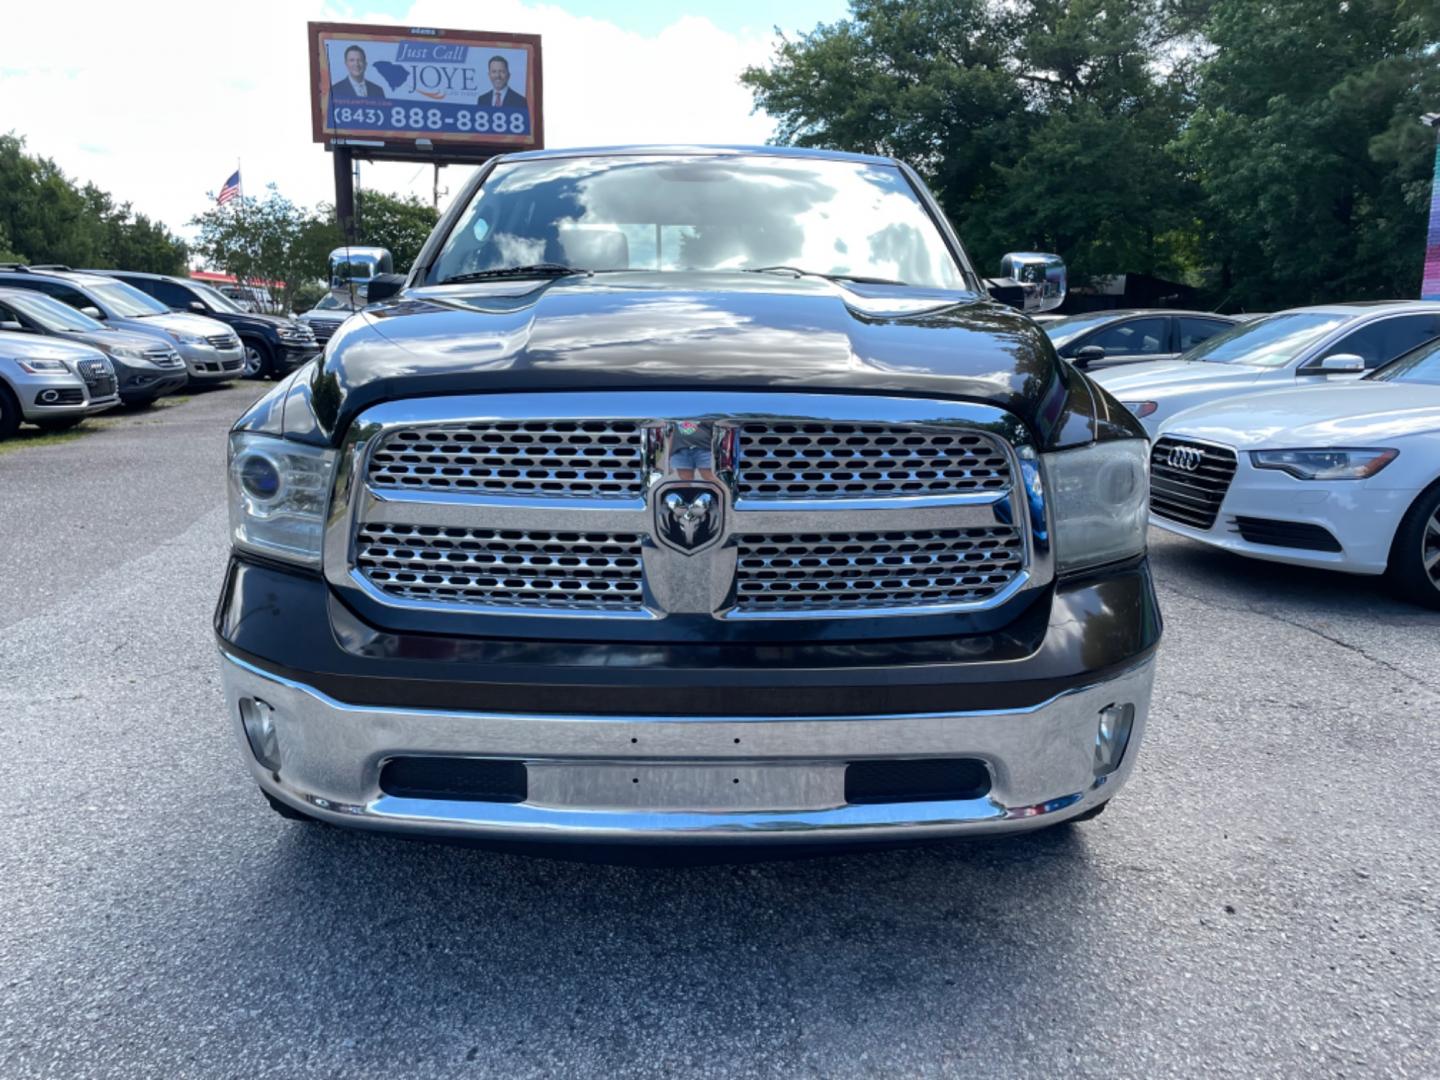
(49, 397)
(1111, 737)
(259, 721)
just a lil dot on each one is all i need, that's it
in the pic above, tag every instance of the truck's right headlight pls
(279, 490)
(1099, 496)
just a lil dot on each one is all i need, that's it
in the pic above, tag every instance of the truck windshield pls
(1271, 342)
(700, 213)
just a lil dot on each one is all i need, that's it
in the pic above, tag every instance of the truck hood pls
(634, 331)
(1163, 378)
(1364, 413)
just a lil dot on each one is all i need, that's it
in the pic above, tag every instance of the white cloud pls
(155, 102)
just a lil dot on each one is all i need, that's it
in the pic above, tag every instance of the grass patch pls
(27, 437)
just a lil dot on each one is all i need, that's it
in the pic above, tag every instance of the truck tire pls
(1089, 815)
(287, 811)
(1414, 570)
(259, 360)
(9, 413)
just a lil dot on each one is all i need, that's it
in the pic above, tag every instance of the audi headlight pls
(1141, 409)
(1325, 464)
(1099, 498)
(37, 366)
(278, 493)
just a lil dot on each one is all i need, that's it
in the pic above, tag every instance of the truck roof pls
(690, 148)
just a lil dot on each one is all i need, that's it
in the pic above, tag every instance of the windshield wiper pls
(859, 279)
(539, 270)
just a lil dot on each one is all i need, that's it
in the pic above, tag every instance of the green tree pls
(50, 218)
(400, 224)
(1039, 124)
(1306, 147)
(259, 241)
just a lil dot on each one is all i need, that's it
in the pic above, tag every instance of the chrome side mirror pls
(1030, 281)
(1342, 363)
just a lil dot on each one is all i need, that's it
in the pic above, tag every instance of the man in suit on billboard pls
(355, 85)
(502, 96)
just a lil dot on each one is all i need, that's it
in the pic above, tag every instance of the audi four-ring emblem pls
(1187, 458)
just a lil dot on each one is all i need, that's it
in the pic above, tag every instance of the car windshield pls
(1420, 365)
(50, 314)
(1272, 342)
(126, 301)
(215, 298)
(1063, 331)
(700, 213)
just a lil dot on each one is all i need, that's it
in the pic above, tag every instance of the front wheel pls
(1414, 571)
(258, 362)
(9, 413)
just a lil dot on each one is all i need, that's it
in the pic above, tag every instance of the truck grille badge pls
(688, 517)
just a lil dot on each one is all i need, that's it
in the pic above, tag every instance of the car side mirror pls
(10, 325)
(1088, 355)
(1029, 281)
(383, 287)
(93, 312)
(1342, 363)
(198, 305)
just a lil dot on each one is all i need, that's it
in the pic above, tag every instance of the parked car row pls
(66, 336)
(1309, 436)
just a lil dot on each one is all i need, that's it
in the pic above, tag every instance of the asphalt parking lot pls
(1261, 900)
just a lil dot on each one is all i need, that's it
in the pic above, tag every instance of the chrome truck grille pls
(860, 461)
(660, 505)
(875, 570)
(503, 567)
(582, 459)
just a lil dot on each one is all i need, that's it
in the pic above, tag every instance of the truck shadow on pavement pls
(495, 950)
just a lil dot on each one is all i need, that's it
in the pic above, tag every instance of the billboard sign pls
(417, 92)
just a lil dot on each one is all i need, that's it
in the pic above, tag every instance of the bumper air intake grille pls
(563, 459)
(816, 573)
(925, 780)
(506, 568)
(1188, 481)
(780, 461)
(456, 779)
(1290, 534)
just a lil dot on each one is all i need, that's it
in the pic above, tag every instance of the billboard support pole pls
(345, 192)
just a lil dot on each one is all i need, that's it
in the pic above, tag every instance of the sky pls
(156, 102)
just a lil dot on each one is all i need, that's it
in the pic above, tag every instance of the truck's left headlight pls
(1099, 496)
(279, 491)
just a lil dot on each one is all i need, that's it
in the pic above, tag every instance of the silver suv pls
(145, 367)
(211, 350)
(53, 384)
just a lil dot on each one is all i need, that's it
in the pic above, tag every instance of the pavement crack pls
(1297, 624)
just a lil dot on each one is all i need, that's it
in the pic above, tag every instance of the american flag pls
(230, 190)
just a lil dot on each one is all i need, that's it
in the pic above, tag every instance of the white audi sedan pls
(1345, 476)
(1301, 347)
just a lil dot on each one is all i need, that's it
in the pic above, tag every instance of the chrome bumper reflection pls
(687, 779)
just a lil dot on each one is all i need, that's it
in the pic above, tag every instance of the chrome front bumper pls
(687, 779)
